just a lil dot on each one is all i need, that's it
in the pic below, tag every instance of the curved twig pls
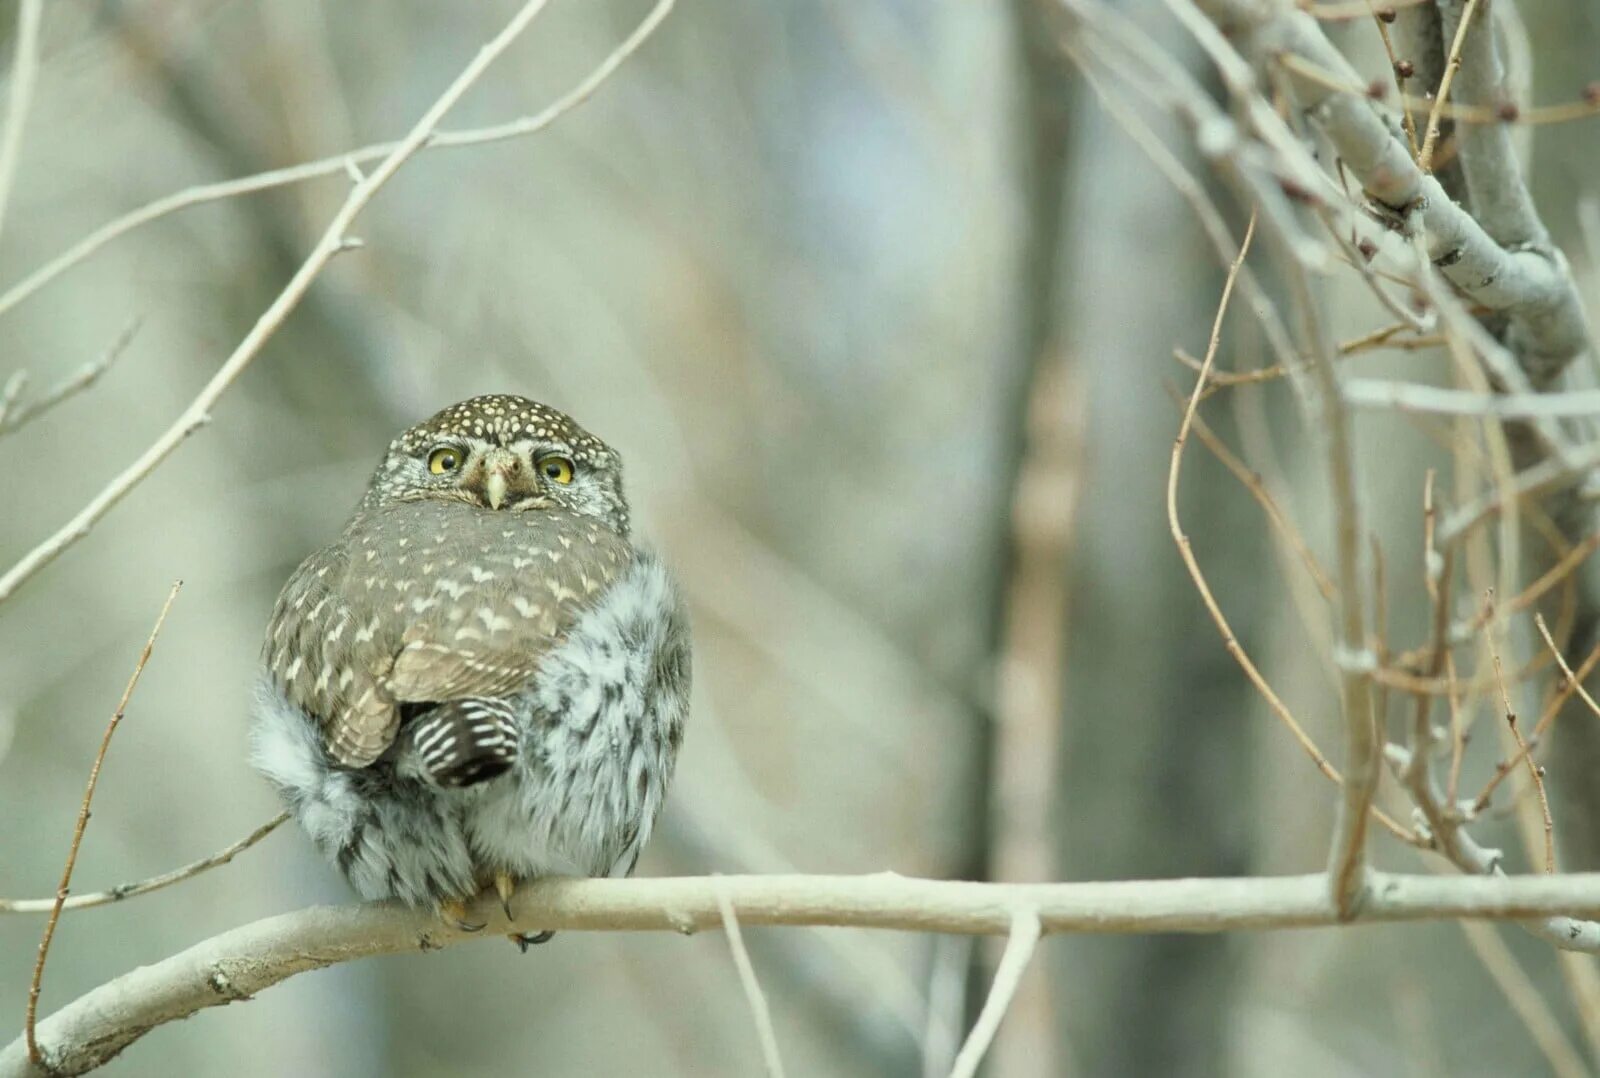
(83, 824)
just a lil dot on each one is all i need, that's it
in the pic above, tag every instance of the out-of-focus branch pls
(15, 412)
(1549, 475)
(334, 240)
(232, 967)
(760, 1013)
(1523, 997)
(1023, 780)
(24, 73)
(1347, 859)
(145, 886)
(337, 165)
(1411, 397)
(1020, 944)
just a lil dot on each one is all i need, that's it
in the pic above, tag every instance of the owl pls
(484, 679)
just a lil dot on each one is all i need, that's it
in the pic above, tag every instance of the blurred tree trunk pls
(1024, 736)
(1562, 38)
(1155, 772)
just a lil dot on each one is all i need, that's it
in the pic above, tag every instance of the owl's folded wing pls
(489, 640)
(329, 658)
(428, 671)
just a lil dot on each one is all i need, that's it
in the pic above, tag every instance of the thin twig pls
(337, 165)
(1394, 678)
(332, 242)
(757, 999)
(1451, 65)
(1379, 643)
(1406, 120)
(1472, 115)
(1279, 520)
(1458, 731)
(1194, 192)
(1186, 552)
(1572, 679)
(24, 74)
(82, 824)
(1552, 709)
(1020, 944)
(1535, 772)
(1417, 775)
(145, 886)
(1370, 342)
(1556, 574)
(1548, 475)
(13, 417)
(1386, 338)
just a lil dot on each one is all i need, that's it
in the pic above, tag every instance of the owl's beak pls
(500, 476)
(494, 488)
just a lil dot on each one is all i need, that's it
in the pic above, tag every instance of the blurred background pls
(878, 305)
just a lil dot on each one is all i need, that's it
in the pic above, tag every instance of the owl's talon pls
(525, 940)
(454, 914)
(504, 885)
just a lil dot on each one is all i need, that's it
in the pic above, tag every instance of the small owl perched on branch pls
(483, 680)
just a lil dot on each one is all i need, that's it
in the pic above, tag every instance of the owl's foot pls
(453, 912)
(524, 941)
(503, 886)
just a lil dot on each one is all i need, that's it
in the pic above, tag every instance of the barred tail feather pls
(463, 742)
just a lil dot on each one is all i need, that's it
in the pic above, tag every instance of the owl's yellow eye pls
(556, 469)
(444, 460)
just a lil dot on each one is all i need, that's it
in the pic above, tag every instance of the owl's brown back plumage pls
(430, 600)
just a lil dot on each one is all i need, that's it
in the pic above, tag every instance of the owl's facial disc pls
(500, 477)
(504, 454)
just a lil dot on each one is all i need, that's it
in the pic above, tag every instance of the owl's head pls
(503, 454)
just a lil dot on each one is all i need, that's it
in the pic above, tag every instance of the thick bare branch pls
(239, 963)
(1499, 197)
(1530, 284)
